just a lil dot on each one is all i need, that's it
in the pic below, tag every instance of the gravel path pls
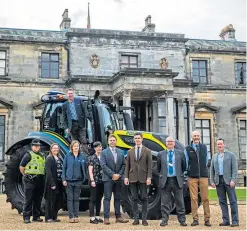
(11, 220)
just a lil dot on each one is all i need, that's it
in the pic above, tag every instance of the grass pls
(241, 194)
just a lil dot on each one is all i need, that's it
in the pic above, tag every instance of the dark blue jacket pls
(74, 169)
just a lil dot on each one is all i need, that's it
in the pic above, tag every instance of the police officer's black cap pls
(35, 142)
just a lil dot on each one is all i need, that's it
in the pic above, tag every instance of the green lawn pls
(241, 194)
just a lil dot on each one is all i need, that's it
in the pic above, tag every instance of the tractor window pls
(52, 118)
(109, 119)
(89, 131)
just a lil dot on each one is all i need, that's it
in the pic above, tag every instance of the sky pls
(198, 19)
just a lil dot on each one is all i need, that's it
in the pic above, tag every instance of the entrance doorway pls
(140, 115)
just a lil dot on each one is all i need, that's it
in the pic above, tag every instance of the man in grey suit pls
(171, 165)
(74, 119)
(223, 175)
(113, 164)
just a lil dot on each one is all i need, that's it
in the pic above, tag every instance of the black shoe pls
(207, 223)
(27, 221)
(224, 224)
(136, 222)
(144, 222)
(234, 225)
(194, 223)
(57, 220)
(163, 223)
(38, 219)
(95, 221)
(99, 220)
(183, 223)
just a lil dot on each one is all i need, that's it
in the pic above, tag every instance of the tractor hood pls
(154, 141)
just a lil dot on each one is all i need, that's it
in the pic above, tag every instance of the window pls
(2, 63)
(49, 66)
(242, 139)
(241, 73)
(162, 116)
(199, 71)
(129, 61)
(203, 126)
(2, 137)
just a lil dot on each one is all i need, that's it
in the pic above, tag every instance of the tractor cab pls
(102, 118)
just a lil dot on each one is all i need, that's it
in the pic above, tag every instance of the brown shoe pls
(71, 220)
(76, 220)
(121, 220)
(106, 221)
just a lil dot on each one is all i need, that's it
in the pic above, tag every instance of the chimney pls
(149, 27)
(65, 24)
(228, 33)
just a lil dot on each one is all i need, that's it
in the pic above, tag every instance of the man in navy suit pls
(113, 165)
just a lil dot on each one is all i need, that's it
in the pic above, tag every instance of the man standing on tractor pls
(32, 167)
(74, 120)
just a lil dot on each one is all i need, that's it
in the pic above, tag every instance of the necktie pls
(170, 169)
(138, 153)
(114, 154)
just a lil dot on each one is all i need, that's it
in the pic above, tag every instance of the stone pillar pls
(127, 100)
(191, 115)
(147, 115)
(181, 135)
(170, 116)
(155, 115)
(115, 101)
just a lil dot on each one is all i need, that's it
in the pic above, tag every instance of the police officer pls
(32, 167)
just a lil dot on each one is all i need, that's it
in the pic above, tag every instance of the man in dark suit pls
(74, 120)
(171, 165)
(138, 173)
(113, 164)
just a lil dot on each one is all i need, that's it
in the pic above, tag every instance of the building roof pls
(29, 35)
(213, 45)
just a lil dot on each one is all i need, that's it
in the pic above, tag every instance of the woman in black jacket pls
(53, 184)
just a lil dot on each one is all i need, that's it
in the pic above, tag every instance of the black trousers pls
(96, 195)
(79, 133)
(33, 190)
(166, 198)
(53, 202)
(135, 188)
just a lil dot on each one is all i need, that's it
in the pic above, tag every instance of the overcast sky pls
(194, 18)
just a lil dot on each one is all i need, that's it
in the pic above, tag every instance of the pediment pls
(6, 104)
(204, 107)
(239, 109)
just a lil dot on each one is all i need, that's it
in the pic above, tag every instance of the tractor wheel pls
(154, 212)
(13, 178)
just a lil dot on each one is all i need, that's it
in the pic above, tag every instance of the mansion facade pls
(176, 84)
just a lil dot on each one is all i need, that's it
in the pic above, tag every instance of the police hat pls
(35, 142)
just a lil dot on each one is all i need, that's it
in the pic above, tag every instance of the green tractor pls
(101, 117)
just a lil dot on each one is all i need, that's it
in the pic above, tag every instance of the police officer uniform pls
(33, 180)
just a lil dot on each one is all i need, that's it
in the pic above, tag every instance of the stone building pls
(175, 84)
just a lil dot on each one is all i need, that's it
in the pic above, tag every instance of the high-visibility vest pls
(36, 165)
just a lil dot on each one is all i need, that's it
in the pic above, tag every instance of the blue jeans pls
(222, 189)
(73, 190)
(109, 188)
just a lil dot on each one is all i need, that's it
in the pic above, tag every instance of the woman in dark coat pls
(53, 184)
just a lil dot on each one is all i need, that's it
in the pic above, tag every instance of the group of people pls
(108, 169)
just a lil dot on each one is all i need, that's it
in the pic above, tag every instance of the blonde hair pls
(72, 145)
